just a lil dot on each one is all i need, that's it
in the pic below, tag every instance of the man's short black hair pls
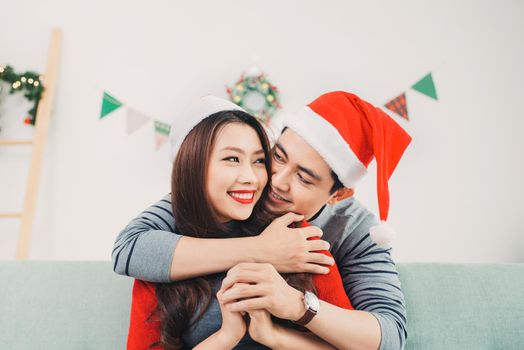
(337, 184)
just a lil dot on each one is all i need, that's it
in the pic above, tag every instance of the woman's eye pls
(232, 159)
(260, 161)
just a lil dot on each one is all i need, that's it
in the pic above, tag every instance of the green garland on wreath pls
(30, 83)
(260, 85)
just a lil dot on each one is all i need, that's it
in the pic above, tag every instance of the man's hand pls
(289, 250)
(252, 286)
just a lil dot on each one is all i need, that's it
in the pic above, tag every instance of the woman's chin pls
(241, 215)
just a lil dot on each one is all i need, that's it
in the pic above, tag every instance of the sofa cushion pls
(464, 306)
(63, 305)
(85, 305)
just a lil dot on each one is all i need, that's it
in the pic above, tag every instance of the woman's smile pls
(243, 196)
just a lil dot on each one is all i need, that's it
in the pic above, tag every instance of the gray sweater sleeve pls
(144, 248)
(368, 272)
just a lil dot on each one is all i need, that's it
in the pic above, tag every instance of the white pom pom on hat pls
(349, 133)
(382, 233)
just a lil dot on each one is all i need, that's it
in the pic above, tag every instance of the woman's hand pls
(233, 326)
(262, 329)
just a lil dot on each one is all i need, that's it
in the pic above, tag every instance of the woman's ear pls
(340, 195)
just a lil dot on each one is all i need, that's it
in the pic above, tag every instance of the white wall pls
(455, 197)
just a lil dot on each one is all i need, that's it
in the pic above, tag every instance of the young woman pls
(219, 179)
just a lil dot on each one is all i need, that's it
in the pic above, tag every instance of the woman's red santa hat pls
(348, 133)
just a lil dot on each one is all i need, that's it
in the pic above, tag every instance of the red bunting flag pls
(399, 106)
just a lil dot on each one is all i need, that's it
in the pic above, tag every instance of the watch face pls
(312, 301)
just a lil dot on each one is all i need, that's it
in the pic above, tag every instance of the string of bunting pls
(134, 119)
(425, 86)
(30, 83)
(250, 84)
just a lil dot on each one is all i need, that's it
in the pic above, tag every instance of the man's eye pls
(232, 159)
(303, 180)
(277, 156)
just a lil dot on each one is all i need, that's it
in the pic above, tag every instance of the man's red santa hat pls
(348, 133)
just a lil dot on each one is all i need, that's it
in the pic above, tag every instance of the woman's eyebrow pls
(235, 149)
(239, 150)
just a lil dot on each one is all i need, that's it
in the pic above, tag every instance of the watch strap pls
(308, 316)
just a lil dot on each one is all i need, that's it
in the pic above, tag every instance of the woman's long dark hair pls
(178, 302)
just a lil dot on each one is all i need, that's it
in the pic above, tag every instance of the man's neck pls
(317, 213)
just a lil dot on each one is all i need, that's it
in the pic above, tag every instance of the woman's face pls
(236, 173)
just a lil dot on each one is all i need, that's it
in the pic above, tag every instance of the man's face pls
(301, 179)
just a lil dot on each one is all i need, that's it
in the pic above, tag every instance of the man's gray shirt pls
(145, 248)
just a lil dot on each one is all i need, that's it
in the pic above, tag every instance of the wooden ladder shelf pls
(43, 116)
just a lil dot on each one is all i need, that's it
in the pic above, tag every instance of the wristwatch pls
(312, 308)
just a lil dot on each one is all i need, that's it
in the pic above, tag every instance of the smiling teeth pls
(277, 196)
(242, 195)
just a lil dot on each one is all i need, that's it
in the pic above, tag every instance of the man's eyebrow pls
(239, 150)
(310, 173)
(279, 146)
(301, 168)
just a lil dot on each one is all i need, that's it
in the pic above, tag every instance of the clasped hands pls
(258, 290)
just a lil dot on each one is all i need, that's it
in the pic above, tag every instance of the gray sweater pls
(144, 250)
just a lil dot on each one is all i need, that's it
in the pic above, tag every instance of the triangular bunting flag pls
(135, 120)
(399, 106)
(109, 104)
(161, 133)
(426, 86)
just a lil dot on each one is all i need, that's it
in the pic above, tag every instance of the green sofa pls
(84, 305)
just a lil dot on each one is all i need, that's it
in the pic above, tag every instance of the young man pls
(323, 151)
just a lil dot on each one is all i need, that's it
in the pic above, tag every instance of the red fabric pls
(330, 287)
(144, 331)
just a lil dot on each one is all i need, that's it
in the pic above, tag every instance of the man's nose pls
(280, 179)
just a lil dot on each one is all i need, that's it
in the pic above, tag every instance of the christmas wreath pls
(256, 95)
(30, 83)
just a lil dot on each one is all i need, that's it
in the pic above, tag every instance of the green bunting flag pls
(135, 119)
(109, 104)
(426, 86)
(161, 133)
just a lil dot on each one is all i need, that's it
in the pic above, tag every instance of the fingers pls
(315, 268)
(249, 304)
(259, 315)
(289, 218)
(241, 276)
(311, 231)
(320, 258)
(242, 291)
(256, 313)
(317, 244)
(219, 296)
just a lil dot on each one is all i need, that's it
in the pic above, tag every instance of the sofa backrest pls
(63, 305)
(85, 305)
(464, 306)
